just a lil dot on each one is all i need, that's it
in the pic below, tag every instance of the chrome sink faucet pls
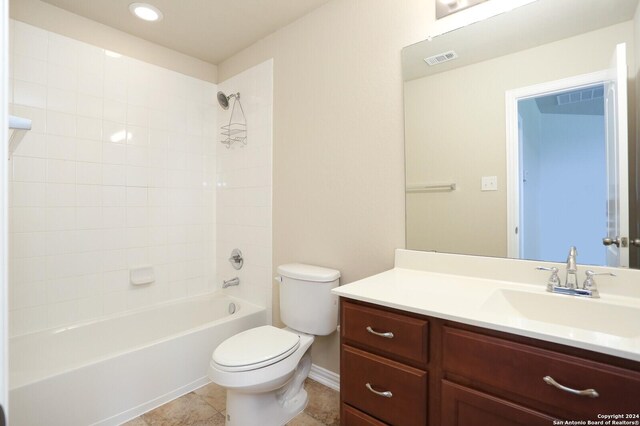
(571, 287)
(572, 269)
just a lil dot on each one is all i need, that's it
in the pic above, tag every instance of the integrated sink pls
(569, 311)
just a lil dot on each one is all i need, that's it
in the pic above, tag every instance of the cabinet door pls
(462, 406)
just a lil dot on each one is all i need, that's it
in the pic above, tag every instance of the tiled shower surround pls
(118, 172)
(243, 199)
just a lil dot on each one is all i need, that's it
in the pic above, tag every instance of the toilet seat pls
(255, 348)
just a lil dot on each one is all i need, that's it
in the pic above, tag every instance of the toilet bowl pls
(264, 368)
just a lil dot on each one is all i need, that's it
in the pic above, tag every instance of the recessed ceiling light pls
(145, 11)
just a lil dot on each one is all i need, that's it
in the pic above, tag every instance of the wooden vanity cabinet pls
(385, 357)
(451, 374)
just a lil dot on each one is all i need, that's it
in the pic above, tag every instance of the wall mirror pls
(517, 139)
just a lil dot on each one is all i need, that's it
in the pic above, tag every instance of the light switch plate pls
(489, 183)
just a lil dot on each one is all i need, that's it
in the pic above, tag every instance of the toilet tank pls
(306, 302)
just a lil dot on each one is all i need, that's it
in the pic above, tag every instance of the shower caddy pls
(236, 130)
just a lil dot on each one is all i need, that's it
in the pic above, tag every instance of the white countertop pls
(608, 325)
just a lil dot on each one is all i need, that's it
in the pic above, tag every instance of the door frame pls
(513, 144)
(4, 202)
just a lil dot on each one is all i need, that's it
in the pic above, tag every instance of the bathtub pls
(108, 371)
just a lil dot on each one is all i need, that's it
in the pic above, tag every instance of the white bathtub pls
(108, 371)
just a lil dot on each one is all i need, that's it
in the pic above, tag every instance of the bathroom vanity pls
(422, 345)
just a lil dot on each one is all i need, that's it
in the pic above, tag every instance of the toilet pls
(264, 368)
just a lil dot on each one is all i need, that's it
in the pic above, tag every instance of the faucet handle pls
(554, 279)
(590, 283)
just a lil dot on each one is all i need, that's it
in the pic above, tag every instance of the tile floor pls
(205, 406)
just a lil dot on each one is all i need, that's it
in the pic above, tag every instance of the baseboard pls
(325, 377)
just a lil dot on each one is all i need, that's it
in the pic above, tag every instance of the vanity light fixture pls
(449, 3)
(447, 7)
(145, 11)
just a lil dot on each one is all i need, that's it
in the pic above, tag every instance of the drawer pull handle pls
(386, 394)
(388, 334)
(591, 393)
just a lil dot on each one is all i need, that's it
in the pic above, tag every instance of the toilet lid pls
(255, 348)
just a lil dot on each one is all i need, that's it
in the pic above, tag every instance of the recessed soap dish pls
(142, 275)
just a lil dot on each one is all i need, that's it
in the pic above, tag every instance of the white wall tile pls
(88, 195)
(89, 150)
(30, 41)
(60, 147)
(89, 106)
(29, 69)
(89, 190)
(29, 94)
(89, 128)
(28, 244)
(114, 111)
(61, 124)
(27, 270)
(25, 194)
(28, 295)
(114, 153)
(114, 196)
(60, 242)
(114, 88)
(114, 132)
(90, 83)
(114, 217)
(60, 195)
(88, 173)
(27, 219)
(62, 77)
(113, 175)
(61, 171)
(29, 169)
(61, 218)
(62, 51)
(88, 239)
(89, 218)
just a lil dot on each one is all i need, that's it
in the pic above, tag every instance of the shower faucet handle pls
(236, 259)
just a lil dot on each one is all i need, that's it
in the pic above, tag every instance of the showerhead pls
(223, 99)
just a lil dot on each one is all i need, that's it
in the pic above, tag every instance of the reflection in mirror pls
(509, 147)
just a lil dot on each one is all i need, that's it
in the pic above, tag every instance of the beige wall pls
(338, 197)
(54, 19)
(464, 139)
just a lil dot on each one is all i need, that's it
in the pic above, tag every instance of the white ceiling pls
(211, 30)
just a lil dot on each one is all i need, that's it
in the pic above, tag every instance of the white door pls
(617, 135)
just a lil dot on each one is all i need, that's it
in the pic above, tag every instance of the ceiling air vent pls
(582, 95)
(441, 57)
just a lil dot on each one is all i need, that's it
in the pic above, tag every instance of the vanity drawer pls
(406, 403)
(518, 369)
(394, 335)
(352, 417)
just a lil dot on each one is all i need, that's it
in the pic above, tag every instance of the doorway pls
(563, 174)
(610, 86)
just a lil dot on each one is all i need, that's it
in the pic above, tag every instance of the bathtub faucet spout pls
(231, 282)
